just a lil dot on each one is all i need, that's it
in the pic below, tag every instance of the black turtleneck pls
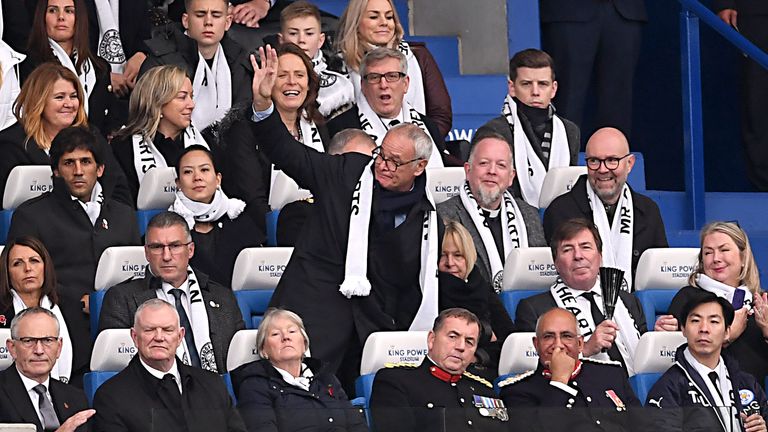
(388, 204)
(536, 122)
(171, 149)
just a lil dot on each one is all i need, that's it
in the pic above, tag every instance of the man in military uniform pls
(439, 394)
(568, 393)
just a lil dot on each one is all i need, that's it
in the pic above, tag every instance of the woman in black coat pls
(285, 391)
(27, 279)
(221, 227)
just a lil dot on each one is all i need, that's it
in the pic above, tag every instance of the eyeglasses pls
(173, 248)
(391, 164)
(30, 342)
(611, 163)
(375, 78)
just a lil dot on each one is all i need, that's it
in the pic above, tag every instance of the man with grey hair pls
(381, 104)
(28, 394)
(367, 259)
(351, 140)
(209, 311)
(164, 394)
(497, 221)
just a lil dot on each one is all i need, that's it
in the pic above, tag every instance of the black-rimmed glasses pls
(29, 342)
(375, 78)
(391, 164)
(611, 163)
(173, 248)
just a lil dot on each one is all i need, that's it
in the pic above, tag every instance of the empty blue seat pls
(254, 278)
(512, 298)
(112, 352)
(654, 354)
(660, 273)
(252, 305)
(643, 383)
(272, 227)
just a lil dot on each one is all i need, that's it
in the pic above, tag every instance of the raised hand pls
(264, 77)
(760, 308)
(666, 323)
(561, 366)
(602, 338)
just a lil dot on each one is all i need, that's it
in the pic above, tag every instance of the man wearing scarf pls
(497, 221)
(217, 65)
(208, 311)
(576, 249)
(577, 394)
(367, 259)
(541, 139)
(78, 219)
(629, 223)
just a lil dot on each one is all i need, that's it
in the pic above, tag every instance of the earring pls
(161, 116)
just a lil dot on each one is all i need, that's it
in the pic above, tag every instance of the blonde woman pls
(369, 24)
(727, 268)
(159, 124)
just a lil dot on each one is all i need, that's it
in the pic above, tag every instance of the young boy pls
(300, 24)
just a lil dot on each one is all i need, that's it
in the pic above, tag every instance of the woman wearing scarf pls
(27, 279)
(48, 103)
(159, 124)
(221, 227)
(60, 34)
(726, 267)
(369, 24)
(247, 172)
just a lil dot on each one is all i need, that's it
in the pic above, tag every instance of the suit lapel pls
(65, 408)
(19, 397)
(148, 293)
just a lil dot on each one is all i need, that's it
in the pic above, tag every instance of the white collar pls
(701, 368)
(29, 383)
(184, 287)
(301, 381)
(174, 370)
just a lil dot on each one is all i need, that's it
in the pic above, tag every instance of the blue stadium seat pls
(143, 217)
(518, 355)
(272, 227)
(156, 193)
(655, 302)
(93, 380)
(512, 298)
(643, 383)
(112, 352)
(252, 305)
(94, 305)
(527, 271)
(116, 264)
(660, 273)
(254, 278)
(654, 354)
(24, 182)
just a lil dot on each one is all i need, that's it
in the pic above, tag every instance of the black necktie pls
(188, 336)
(715, 380)
(598, 317)
(50, 421)
(394, 123)
(170, 391)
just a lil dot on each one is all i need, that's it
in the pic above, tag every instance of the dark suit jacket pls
(16, 406)
(224, 319)
(132, 401)
(648, 230)
(752, 7)
(585, 10)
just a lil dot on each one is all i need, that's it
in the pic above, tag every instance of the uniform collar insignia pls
(443, 375)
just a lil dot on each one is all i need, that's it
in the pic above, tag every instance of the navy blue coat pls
(684, 401)
(268, 403)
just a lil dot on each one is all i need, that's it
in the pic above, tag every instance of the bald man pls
(628, 222)
(577, 394)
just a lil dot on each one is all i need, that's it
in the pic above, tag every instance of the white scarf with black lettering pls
(515, 236)
(617, 237)
(336, 90)
(530, 170)
(198, 319)
(195, 211)
(722, 290)
(146, 155)
(87, 76)
(110, 46)
(374, 126)
(93, 206)
(213, 90)
(356, 281)
(10, 88)
(310, 135)
(62, 369)
(628, 335)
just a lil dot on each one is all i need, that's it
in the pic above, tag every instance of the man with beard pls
(497, 221)
(629, 222)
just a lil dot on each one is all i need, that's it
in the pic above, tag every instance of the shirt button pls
(571, 400)
(430, 405)
(461, 400)
(589, 399)
(575, 384)
(597, 421)
(330, 420)
(569, 406)
(469, 422)
(453, 384)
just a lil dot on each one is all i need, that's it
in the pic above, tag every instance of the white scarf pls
(566, 298)
(530, 170)
(374, 126)
(194, 211)
(356, 282)
(310, 135)
(515, 236)
(62, 369)
(722, 290)
(212, 89)
(93, 207)
(617, 237)
(198, 319)
(110, 46)
(728, 416)
(336, 90)
(88, 75)
(302, 381)
(10, 88)
(146, 155)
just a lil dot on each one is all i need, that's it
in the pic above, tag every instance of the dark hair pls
(704, 298)
(570, 229)
(71, 139)
(195, 147)
(167, 219)
(49, 273)
(530, 58)
(299, 9)
(461, 313)
(310, 105)
(39, 48)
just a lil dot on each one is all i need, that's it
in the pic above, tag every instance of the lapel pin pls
(66, 405)
(213, 304)
(104, 224)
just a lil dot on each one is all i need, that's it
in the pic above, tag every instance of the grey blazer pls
(454, 209)
(224, 317)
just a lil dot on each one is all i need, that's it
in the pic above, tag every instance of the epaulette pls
(401, 364)
(516, 378)
(605, 362)
(481, 380)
